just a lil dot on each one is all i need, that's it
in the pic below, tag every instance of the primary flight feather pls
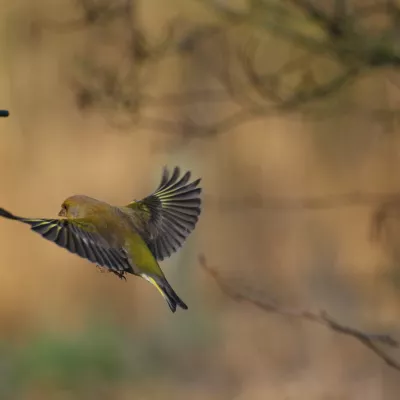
(128, 239)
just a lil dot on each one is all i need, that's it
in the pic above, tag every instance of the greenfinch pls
(128, 239)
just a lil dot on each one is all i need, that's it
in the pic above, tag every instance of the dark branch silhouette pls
(339, 35)
(380, 202)
(385, 224)
(240, 294)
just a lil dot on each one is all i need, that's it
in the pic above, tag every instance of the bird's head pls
(73, 207)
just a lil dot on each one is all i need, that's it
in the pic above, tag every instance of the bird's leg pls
(121, 275)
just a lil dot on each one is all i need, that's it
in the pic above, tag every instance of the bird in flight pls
(128, 239)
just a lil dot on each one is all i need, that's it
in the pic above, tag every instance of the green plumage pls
(168, 215)
(128, 239)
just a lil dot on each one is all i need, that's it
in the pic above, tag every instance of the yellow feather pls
(153, 282)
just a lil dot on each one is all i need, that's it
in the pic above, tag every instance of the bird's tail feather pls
(165, 289)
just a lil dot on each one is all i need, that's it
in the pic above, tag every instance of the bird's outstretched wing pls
(169, 214)
(78, 237)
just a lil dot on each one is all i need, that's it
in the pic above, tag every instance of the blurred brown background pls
(270, 103)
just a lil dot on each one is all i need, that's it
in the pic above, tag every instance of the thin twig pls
(367, 339)
(324, 202)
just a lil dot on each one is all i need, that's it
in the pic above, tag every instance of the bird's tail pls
(165, 289)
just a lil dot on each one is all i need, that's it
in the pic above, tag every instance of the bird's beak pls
(61, 213)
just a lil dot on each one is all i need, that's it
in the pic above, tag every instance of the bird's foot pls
(122, 276)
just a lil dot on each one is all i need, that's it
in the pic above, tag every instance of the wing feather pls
(169, 214)
(70, 235)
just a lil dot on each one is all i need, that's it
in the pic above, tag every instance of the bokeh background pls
(288, 110)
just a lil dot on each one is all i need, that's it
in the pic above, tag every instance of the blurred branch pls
(177, 99)
(369, 340)
(92, 12)
(267, 86)
(335, 35)
(329, 23)
(386, 212)
(4, 113)
(185, 130)
(352, 199)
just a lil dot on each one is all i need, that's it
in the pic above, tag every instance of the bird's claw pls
(121, 275)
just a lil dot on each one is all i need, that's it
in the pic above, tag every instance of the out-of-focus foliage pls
(321, 48)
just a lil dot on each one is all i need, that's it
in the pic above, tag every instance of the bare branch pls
(369, 340)
(93, 12)
(388, 208)
(328, 23)
(293, 88)
(195, 97)
(352, 199)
